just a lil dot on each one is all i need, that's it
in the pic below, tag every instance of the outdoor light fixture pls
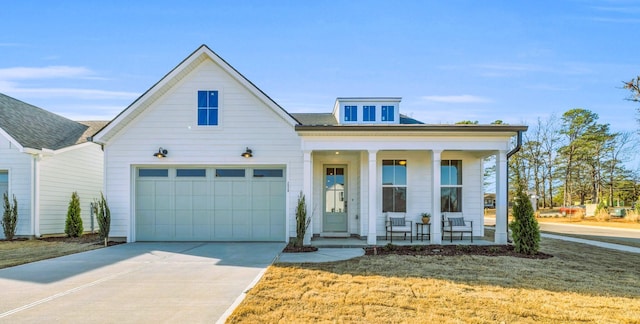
(247, 154)
(161, 153)
(402, 162)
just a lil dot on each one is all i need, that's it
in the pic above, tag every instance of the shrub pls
(632, 216)
(302, 221)
(10, 217)
(525, 229)
(103, 215)
(602, 216)
(73, 226)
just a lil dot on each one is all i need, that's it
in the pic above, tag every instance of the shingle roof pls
(328, 119)
(36, 128)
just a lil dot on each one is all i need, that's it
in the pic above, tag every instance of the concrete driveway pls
(134, 283)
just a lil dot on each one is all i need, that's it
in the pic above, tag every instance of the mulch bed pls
(92, 238)
(292, 249)
(452, 250)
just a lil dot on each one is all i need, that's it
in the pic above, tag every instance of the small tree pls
(524, 228)
(302, 221)
(103, 215)
(73, 226)
(10, 217)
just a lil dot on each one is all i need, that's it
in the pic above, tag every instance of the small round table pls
(420, 233)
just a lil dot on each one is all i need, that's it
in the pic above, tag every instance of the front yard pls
(579, 284)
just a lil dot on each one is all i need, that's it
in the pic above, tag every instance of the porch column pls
(307, 170)
(501, 236)
(436, 223)
(373, 198)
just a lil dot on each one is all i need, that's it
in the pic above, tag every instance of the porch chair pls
(398, 223)
(456, 223)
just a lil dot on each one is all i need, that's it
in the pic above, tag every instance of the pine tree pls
(524, 228)
(103, 214)
(73, 226)
(9, 217)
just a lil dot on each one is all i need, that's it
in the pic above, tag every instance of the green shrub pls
(302, 221)
(10, 217)
(103, 215)
(73, 226)
(524, 228)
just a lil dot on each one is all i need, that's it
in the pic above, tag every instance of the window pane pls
(390, 113)
(4, 176)
(401, 173)
(456, 172)
(451, 199)
(233, 173)
(202, 99)
(387, 172)
(269, 173)
(191, 173)
(394, 199)
(153, 172)
(213, 117)
(213, 99)
(451, 172)
(4, 182)
(202, 116)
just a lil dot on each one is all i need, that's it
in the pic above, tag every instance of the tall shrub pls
(73, 226)
(9, 217)
(103, 215)
(524, 228)
(302, 221)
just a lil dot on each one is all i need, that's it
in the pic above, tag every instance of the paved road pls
(134, 283)
(597, 232)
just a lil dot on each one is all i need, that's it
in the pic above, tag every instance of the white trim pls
(11, 139)
(501, 234)
(373, 191)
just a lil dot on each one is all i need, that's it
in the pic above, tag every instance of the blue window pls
(191, 173)
(369, 113)
(388, 113)
(271, 173)
(230, 173)
(153, 173)
(207, 108)
(350, 113)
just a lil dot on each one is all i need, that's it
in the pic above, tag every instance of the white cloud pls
(47, 72)
(457, 99)
(72, 93)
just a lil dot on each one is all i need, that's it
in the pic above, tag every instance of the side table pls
(420, 233)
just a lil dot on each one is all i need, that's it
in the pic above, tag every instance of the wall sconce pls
(247, 154)
(161, 153)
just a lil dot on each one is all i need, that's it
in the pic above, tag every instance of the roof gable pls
(172, 78)
(34, 127)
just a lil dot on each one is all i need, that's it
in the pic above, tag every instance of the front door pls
(335, 199)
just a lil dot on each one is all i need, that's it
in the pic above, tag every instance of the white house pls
(43, 159)
(204, 155)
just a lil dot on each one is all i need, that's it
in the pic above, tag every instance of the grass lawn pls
(16, 252)
(580, 283)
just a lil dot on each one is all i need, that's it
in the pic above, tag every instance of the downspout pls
(509, 154)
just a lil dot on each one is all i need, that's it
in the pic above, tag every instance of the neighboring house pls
(204, 155)
(43, 159)
(489, 200)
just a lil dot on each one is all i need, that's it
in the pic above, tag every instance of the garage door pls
(210, 204)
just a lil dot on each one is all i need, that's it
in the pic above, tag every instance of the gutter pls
(509, 154)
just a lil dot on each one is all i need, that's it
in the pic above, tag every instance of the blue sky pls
(449, 60)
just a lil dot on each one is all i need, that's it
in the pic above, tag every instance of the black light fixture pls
(161, 153)
(247, 154)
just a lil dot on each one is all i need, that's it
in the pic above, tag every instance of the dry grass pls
(13, 253)
(579, 284)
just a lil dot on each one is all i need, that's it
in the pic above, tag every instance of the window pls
(267, 173)
(191, 173)
(388, 113)
(350, 113)
(153, 173)
(369, 113)
(394, 185)
(451, 186)
(4, 182)
(230, 173)
(207, 108)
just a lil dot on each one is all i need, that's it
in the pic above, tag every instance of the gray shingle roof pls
(37, 128)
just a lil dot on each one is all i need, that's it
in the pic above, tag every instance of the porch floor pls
(352, 242)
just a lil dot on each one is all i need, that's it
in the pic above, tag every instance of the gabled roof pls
(181, 70)
(36, 128)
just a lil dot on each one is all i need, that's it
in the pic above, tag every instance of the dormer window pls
(388, 113)
(350, 113)
(207, 108)
(369, 113)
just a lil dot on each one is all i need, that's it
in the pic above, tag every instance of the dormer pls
(377, 110)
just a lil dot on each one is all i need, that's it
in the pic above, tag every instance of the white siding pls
(78, 169)
(19, 166)
(171, 122)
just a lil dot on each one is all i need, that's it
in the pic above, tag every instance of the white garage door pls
(210, 204)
